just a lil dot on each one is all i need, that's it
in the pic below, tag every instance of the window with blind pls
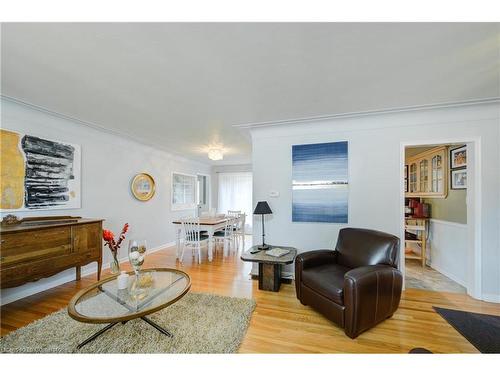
(183, 191)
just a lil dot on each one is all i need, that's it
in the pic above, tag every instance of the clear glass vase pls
(114, 265)
(136, 255)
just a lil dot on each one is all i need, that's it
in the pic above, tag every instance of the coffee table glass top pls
(154, 289)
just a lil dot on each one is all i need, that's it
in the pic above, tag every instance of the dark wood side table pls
(269, 266)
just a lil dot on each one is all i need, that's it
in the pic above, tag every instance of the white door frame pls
(473, 200)
(209, 189)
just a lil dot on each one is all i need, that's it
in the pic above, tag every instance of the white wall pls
(374, 173)
(448, 249)
(109, 162)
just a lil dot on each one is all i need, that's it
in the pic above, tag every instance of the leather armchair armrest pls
(311, 259)
(315, 258)
(371, 295)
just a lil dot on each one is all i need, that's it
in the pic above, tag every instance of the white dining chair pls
(193, 237)
(226, 235)
(239, 226)
(233, 213)
(240, 231)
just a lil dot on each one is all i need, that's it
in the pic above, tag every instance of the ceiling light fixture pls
(215, 154)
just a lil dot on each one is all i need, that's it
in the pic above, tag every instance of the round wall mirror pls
(143, 187)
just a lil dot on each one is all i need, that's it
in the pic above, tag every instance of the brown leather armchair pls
(357, 285)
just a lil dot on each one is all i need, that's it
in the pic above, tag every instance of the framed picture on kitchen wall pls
(459, 179)
(458, 157)
(458, 168)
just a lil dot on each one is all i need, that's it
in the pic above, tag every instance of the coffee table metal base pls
(111, 325)
(158, 327)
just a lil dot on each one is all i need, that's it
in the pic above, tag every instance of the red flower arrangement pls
(114, 245)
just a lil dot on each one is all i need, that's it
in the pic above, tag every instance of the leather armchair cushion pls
(364, 247)
(327, 280)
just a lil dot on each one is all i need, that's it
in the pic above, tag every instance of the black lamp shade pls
(262, 208)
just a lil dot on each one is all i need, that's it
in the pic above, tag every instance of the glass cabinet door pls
(424, 175)
(437, 174)
(427, 173)
(413, 178)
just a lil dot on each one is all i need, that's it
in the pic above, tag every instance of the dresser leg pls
(99, 268)
(78, 273)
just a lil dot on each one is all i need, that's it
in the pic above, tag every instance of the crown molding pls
(368, 113)
(100, 128)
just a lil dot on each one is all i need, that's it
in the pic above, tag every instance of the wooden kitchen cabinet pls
(428, 174)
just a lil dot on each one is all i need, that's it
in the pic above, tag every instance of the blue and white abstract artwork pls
(320, 183)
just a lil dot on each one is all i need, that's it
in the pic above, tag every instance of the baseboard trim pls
(86, 271)
(449, 275)
(495, 298)
(36, 289)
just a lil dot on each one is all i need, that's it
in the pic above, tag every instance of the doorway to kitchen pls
(440, 247)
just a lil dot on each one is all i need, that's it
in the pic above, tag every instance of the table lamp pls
(262, 208)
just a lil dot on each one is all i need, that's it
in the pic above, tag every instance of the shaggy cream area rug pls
(200, 323)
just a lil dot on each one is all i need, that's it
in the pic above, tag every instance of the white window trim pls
(177, 206)
(209, 188)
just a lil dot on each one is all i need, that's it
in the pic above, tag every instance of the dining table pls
(210, 224)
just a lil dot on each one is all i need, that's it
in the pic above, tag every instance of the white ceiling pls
(181, 86)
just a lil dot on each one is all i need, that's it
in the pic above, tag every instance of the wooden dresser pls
(41, 247)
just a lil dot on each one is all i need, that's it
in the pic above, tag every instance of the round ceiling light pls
(215, 154)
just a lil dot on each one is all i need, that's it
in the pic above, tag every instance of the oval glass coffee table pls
(153, 290)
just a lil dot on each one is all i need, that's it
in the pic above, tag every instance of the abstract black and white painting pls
(320, 187)
(41, 174)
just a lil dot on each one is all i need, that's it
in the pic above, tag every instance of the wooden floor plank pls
(280, 324)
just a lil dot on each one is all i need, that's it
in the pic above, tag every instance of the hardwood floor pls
(280, 324)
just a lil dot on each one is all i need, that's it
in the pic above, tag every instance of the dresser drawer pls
(16, 248)
(87, 239)
(18, 274)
